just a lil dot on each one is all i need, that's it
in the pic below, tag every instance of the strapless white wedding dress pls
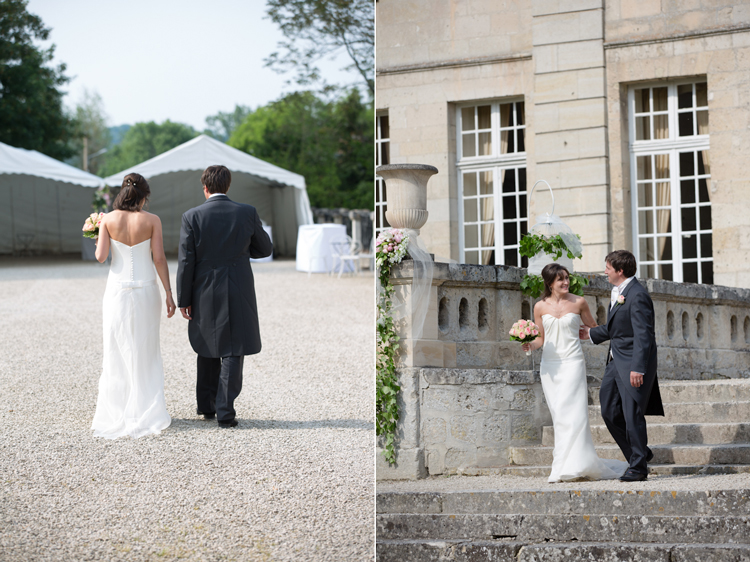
(131, 387)
(563, 374)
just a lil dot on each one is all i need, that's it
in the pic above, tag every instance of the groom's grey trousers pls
(624, 419)
(219, 384)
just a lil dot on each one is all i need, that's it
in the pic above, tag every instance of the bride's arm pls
(160, 261)
(102, 242)
(588, 319)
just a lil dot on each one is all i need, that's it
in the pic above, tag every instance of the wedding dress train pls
(131, 387)
(563, 374)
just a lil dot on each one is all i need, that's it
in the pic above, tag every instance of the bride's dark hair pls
(133, 194)
(551, 273)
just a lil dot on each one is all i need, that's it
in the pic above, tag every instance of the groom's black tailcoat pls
(214, 276)
(630, 330)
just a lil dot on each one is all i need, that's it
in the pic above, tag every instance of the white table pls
(269, 258)
(314, 251)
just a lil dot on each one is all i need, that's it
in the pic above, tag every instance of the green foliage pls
(317, 29)
(328, 142)
(386, 380)
(532, 244)
(143, 141)
(31, 110)
(90, 121)
(222, 125)
(533, 285)
(577, 283)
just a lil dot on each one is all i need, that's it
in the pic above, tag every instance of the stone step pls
(654, 469)
(666, 434)
(529, 528)
(727, 390)
(663, 454)
(594, 503)
(691, 412)
(512, 551)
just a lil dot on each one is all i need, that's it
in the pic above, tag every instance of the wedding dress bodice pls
(132, 264)
(561, 339)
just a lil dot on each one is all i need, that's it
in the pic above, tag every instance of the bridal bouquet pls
(524, 331)
(390, 246)
(91, 226)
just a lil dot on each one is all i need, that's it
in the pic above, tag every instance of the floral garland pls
(531, 245)
(390, 249)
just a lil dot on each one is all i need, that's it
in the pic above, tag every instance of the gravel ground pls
(294, 481)
(484, 483)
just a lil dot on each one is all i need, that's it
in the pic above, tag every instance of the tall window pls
(492, 182)
(382, 157)
(670, 167)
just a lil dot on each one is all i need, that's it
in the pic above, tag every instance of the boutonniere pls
(620, 299)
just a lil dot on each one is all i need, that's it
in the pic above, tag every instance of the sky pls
(182, 60)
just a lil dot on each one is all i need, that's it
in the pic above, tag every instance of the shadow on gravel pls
(189, 424)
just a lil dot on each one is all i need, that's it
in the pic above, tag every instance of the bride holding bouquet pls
(563, 374)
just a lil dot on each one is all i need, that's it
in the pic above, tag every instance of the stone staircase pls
(591, 525)
(706, 430)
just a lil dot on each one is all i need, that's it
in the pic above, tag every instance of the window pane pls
(663, 222)
(509, 207)
(701, 94)
(641, 100)
(484, 119)
(688, 219)
(472, 257)
(689, 246)
(470, 210)
(521, 140)
(687, 191)
(705, 213)
(506, 111)
(665, 271)
(470, 184)
(509, 181)
(707, 271)
(643, 128)
(661, 126)
(485, 144)
(662, 166)
(468, 145)
(660, 99)
(663, 195)
(685, 96)
(471, 237)
(706, 247)
(645, 195)
(702, 122)
(510, 236)
(384, 130)
(519, 113)
(485, 182)
(385, 153)
(487, 208)
(523, 210)
(703, 190)
(511, 257)
(643, 164)
(646, 249)
(488, 235)
(522, 181)
(685, 121)
(701, 163)
(647, 271)
(467, 119)
(524, 227)
(664, 248)
(645, 222)
(690, 272)
(687, 166)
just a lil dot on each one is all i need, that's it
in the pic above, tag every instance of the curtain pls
(663, 192)
(703, 130)
(488, 214)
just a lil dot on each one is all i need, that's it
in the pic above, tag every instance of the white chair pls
(346, 250)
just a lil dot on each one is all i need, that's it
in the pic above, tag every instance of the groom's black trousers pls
(219, 384)
(624, 419)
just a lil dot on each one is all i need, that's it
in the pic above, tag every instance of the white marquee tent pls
(43, 202)
(279, 196)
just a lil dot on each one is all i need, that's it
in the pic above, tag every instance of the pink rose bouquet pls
(390, 246)
(524, 331)
(91, 226)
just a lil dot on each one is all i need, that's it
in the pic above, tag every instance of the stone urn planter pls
(406, 193)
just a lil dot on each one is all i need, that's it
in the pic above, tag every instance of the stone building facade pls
(633, 110)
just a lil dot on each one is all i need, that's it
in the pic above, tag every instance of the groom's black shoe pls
(633, 476)
(228, 423)
(206, 415)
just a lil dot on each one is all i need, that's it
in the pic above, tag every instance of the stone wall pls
(468, 393)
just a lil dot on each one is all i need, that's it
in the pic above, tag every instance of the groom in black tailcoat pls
(630, 389)
(215, 291)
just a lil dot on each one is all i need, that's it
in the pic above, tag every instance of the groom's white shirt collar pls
(215, 194)
(624, 284)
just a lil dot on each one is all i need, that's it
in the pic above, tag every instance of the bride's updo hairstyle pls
(551, 273)
(133, 194)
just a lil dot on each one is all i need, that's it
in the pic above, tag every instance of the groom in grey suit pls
(216, 292)
(630, 389)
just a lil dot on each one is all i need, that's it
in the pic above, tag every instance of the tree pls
(144, 141)
(329, 143)
(90, 122)
(31, 109)
(222, 125)
(316, 29)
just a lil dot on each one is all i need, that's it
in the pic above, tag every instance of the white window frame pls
(380, 203)
(671, 146)
(496, 162)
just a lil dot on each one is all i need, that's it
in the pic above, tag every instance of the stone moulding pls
(678, 37)
(452, 64)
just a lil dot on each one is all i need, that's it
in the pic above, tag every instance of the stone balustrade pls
(469, 393)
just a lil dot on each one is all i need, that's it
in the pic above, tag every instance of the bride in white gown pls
(563, 374)
(131, 387)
